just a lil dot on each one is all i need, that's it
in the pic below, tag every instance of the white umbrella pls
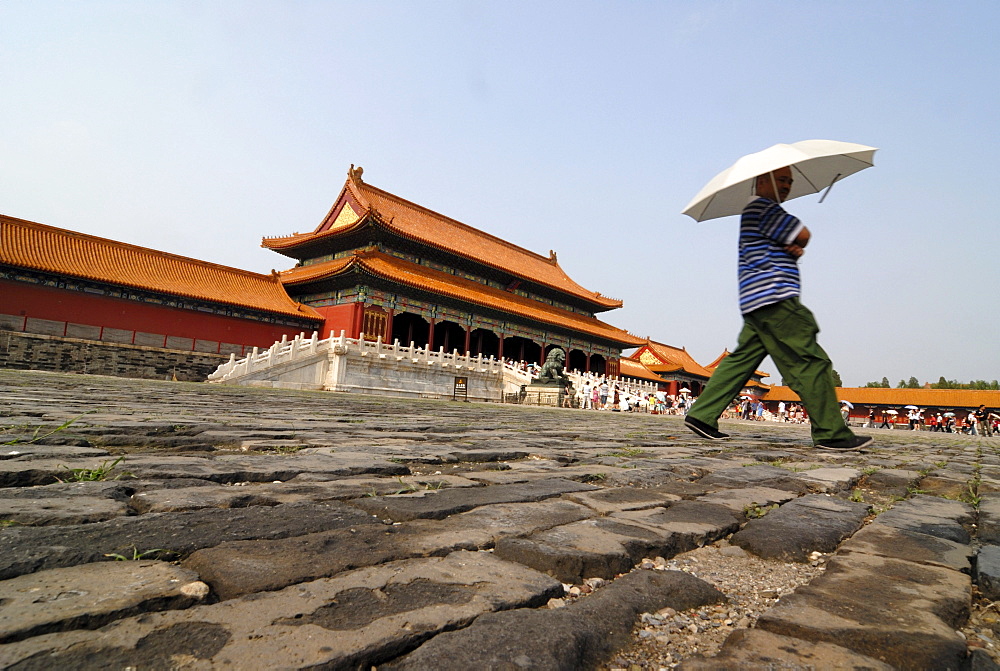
(816, 165)
(911, 407)
(891, 412)
(848, 404)
(685, 390)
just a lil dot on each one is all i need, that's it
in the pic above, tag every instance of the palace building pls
(387, 268)
(376, 265)
(675, 367)
(88, 304)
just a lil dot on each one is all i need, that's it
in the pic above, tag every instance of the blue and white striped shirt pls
(767, 272)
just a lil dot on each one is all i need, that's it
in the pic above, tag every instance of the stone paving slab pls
(269, 492)
(28, 549)
(813, 523)
(738, 500)
(759, 476)
(442, 503)
(758, 649)
(989, 519)
(91, 595)
(988, 571)
(33, 451)
(64, 503)
(887, 541)
(902, 613)
(605, 546)
(299, 488)
(931, 516)
(618, 499)
(575, 637)
(236, 568)
(355, 620)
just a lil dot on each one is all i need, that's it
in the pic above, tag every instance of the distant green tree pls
(942, 383)
(837, 381)
(914, 383)
(885, 382)
(901, 385)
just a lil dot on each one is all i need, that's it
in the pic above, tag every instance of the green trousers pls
(787, 331)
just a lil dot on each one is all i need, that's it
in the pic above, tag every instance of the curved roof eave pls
(369, 260)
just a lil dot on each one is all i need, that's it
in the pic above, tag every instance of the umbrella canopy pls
(891, 412)
(911, 407)
(815, 164)
(848, 404)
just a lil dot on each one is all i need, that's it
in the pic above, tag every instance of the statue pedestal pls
(544, 394)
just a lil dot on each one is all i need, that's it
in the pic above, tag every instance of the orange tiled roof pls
(632, 368)
(415, 222)
(25, 244)
(662, 358)
(420, 277)
(924, 398)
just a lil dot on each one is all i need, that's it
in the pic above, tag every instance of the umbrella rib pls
(803, 175)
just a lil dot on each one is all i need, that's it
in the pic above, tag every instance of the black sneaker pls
(846, 445)
(704, 430)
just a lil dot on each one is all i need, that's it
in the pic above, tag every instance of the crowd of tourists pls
(605, 394)
(978, 422)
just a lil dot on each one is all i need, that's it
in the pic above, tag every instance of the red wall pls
(345, 317)
(81, 308)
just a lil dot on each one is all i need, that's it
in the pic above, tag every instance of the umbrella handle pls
(830, 187)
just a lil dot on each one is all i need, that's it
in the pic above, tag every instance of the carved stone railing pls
(340, 363)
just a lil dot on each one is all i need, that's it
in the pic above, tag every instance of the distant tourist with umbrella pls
(775, 322)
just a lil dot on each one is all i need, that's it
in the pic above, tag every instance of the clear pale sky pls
(197, 128)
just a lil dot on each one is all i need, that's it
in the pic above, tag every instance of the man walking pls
(775, 323)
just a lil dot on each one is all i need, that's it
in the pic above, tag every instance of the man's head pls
(780, 179)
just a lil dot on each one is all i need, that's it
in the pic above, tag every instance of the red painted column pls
(357, 320)
(430, 334)
(468, 339)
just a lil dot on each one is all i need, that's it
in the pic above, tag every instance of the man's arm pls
(798, 246)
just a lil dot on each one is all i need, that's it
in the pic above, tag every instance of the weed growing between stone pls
(38, 436)
(94, 474)
(136, 555)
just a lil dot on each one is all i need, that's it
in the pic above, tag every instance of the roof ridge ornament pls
(355, 173)
(552, 256)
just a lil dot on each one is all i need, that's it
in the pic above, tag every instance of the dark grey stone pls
(814, 523)
(931, 516)
(236, 568)
(758, 476)
(900, 612)
(988, 572)
(580, 636)
(438, 504)
(28, 549)
(355, 620)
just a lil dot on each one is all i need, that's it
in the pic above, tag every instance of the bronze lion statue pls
(552, 370)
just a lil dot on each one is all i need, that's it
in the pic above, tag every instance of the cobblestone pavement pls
(171, 525)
